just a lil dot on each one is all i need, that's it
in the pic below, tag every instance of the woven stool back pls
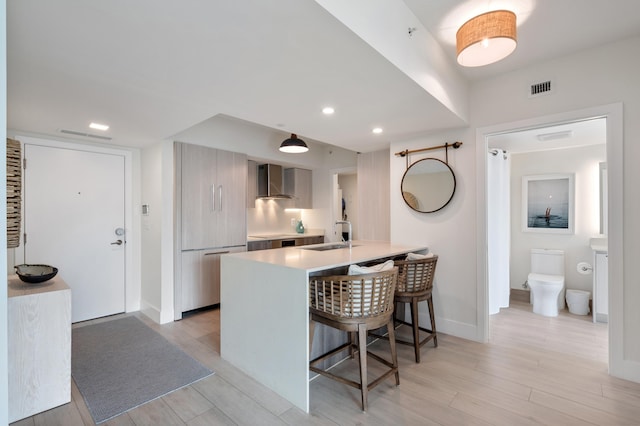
(353, 296)
(416, 276)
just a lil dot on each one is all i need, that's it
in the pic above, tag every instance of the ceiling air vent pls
(86, 135)
(543, 88)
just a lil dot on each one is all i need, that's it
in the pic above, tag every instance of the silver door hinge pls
(24, 163)
(24, 238)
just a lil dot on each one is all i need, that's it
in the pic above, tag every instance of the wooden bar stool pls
(356, 304)
(415, 284)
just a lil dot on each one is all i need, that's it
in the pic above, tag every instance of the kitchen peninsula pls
(264, 308)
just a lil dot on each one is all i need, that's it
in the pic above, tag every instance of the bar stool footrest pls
(371, 385)
(431, 335)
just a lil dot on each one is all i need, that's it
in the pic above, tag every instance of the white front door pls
(73, 213)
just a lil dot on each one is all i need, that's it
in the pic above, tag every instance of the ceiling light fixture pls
(555, 135)
(377, 130)
(328, 110)
(293, 145)
(487, 38)
(99, 126)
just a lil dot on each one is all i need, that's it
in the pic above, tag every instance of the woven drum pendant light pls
(487, 38)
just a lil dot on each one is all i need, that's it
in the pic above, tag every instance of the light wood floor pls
(535, 370)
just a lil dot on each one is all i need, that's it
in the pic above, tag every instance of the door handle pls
(213, 197)
(117, 243)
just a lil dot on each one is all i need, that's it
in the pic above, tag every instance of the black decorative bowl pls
(35, 273)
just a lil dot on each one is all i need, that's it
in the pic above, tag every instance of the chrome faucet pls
(345, 222)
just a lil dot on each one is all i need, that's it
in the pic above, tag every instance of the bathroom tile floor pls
(535, 370)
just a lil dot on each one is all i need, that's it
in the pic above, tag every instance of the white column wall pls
(4, 393)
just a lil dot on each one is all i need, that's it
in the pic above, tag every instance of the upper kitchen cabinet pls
(213, 193)
(297, 183)
(252, 183)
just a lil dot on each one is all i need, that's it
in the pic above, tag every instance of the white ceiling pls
(568, 135)
(153, 68)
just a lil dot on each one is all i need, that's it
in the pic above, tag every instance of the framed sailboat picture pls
(548, 203)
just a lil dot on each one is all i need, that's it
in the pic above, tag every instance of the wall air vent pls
(84, 134)
(542, 88)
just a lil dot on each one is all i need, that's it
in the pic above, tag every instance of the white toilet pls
(546, 281)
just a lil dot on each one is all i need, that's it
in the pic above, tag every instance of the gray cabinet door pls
(198, 197)
(297, 182)
(252, 183)
(231, 196)
(196, 292)
(201, 277)
(213, 197)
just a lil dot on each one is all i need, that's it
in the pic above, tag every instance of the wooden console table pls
(39, 318)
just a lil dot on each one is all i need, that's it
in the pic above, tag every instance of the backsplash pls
(270, 217)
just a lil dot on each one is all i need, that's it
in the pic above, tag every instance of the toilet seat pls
(546, 279)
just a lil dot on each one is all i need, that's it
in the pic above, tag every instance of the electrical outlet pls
(293, 222)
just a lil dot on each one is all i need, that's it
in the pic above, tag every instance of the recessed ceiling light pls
(328, 110)
(377, 130)
(99, 126)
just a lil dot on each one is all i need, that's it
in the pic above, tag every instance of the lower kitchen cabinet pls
(278, 243)
(200, 276)
(309, 240)
(259, 245)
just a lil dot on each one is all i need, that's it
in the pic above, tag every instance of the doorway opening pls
(345, 203)
(78, 217)
(611, 115)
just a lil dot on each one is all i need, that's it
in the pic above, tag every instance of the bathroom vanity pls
(264, 310)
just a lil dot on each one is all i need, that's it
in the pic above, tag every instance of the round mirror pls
(428, 185)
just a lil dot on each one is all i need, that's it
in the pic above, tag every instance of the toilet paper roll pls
(584, 268)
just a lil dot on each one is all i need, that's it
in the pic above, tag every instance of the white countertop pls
(284, 235)
(302, 258)
(16, 287)
(599, 244)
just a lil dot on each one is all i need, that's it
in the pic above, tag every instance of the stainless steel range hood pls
(271, 181)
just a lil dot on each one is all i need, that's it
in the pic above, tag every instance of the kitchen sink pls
(328, 247)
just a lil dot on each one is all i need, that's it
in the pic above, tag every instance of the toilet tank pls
(546, 261)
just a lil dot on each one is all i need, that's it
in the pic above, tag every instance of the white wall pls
(584, 163)
(151, 231)
(4, 394)
(450, 232)
(596, 79)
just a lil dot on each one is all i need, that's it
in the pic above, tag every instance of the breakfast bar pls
(264, 308)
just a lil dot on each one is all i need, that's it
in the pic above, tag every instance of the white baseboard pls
(446, 326)
(150, 311)
(458, 329)
(627, 370)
